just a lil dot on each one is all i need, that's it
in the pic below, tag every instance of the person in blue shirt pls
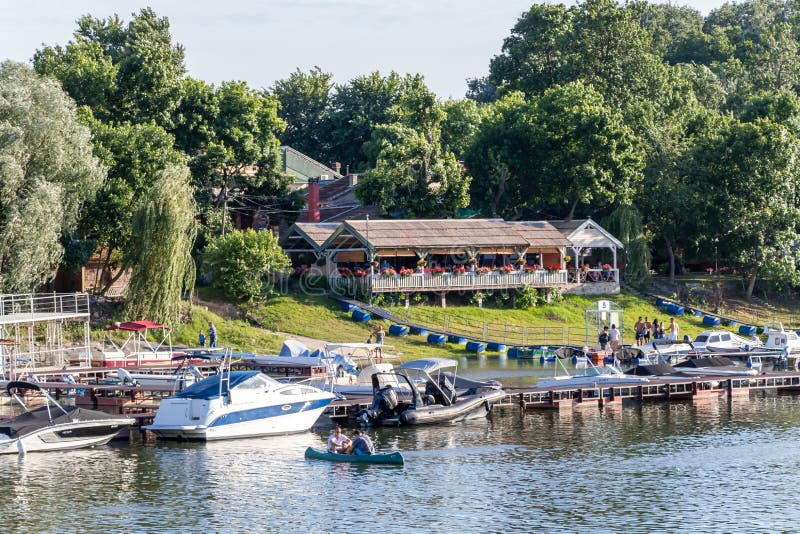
(212, 335)
(202, 339)
(362, 445)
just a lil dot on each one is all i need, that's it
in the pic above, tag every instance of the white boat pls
(723, 341)
(238, 404)
(54, 428)
(592, 376)
(781, 340)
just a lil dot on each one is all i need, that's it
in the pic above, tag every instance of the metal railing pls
(33, 304)
(591, 276)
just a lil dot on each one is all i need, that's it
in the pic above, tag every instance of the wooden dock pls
(142, 403)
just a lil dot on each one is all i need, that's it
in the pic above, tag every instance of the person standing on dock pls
(212, 335)
(613, 337)
(673, 329)
(603, 338)
(639, 329)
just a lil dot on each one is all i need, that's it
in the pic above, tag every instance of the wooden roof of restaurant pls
(540, 233)
(308, 236)
(445, 233)
(586, 233)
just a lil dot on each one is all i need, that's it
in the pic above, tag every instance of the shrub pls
(240, 263)
(528, 297)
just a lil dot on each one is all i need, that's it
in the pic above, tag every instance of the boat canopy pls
(430, 365)
(294, 349)
(136, 326)
(209, 388)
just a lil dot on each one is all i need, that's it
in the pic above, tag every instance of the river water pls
(721, 465)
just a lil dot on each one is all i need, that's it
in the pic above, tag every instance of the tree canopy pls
(47, 173)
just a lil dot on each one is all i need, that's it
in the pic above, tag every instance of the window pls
(726, 337)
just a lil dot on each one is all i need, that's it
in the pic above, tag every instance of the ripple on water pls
(727, 466)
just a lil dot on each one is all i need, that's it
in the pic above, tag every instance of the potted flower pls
(585, 267)
(533, 267)
(460, 269)
(553, 268)
(344, 272)
(506, 269)
(361, 273)
(484, 270)
(389, 272)
(438, 270)
(405, 271)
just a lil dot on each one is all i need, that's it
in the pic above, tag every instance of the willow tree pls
(47, 173)
(164, 230)
(625, 222)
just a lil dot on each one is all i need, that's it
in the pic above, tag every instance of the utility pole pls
(224, 194)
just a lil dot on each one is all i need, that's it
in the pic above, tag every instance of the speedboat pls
(53, 427)
(722, 341)
(781, 340)
(592, 376)
(446, 398)
(238, 404)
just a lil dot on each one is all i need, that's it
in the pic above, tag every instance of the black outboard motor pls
(383, 404)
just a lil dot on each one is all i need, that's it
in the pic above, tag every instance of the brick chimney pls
(337, 167)
(313, 199)
(352, 179)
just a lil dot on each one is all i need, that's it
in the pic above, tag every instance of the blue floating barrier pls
(514, 352)
(708, 320)
(674, 309)
(398, 330)
(419, 331)
(660, 302)
(347, 307)
(361, 316)
(697, 313)
(496, 347)
(475, 346)
(436, 339)
(458, 340)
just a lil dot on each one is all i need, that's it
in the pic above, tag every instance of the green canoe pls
(394, 458)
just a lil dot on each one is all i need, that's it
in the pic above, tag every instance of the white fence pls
(451, 281)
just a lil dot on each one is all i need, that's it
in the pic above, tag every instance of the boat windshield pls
(702, 338)
(209, 388)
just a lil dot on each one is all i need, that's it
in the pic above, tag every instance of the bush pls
(528, 297)
(240, 263)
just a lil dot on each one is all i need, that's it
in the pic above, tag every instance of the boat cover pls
(656, 369)
(293, 349)
(711, 361)
(430, 365)
(35, 419)
(209, 388)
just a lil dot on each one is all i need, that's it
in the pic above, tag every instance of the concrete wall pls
(593, 288)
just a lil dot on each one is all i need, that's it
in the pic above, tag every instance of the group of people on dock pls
(645, 331)
(212, 336)
(340, 444)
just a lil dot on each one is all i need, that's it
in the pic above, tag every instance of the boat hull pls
(394, 458)
(473, 407)
(66, 436)
(270, 425)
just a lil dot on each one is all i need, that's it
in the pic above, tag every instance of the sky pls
(263, 41)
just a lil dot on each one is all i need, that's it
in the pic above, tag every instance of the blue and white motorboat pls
(238, 404)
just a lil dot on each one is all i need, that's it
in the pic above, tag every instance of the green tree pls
(305, 101)
(164, 230)
(415, 175)
(124, 73)
(625, 222)
(241, 262)
(356, 108)
(501, 160)
(588, 155)
(460, 125)
(136, 155)
(750, 202)
(47, 173)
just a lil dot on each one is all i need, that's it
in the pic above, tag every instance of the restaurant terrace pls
(441, 255)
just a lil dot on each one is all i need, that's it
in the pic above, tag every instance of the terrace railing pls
(590, 276)
(451, 281)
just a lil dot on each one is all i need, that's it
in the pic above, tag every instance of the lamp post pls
(716, 262)
(717, 290)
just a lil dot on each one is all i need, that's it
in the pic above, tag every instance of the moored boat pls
(441, 402)
(391, 458)
(53, 427)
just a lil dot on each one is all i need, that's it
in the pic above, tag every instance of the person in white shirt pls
(613, 337)
(338, 442)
